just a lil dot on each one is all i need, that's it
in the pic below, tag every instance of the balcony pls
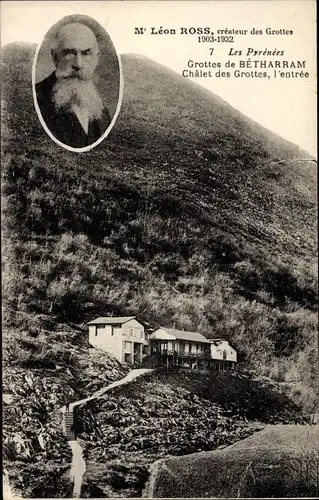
(193, 355)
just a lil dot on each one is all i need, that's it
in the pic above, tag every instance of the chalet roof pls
(183, 335)
(222, 343)
(111, 320)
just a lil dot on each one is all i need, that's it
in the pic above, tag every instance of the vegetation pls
(190, 215)
(276, 462)
(160, 221)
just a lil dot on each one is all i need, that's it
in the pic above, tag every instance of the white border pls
(44, 125)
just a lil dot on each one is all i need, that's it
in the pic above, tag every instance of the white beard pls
(75, 92)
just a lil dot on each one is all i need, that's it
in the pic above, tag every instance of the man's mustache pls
(72, 74)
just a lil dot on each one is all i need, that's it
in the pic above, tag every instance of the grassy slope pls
(159, 221)
(278, 461)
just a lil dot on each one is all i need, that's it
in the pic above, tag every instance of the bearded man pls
(68, 99)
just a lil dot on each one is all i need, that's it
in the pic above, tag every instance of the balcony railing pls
(183, 354)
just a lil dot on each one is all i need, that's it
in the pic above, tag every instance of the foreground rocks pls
(35, 451)
(126, 430)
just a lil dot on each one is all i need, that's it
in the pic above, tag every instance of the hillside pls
(188, 213)
(278, 461)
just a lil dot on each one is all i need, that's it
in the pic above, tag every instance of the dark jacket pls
(64, 125)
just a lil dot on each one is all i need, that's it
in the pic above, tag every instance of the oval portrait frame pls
(89, 22)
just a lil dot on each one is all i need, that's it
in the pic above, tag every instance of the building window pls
(164, 346)
(138, 332)
(142, 334)
(99, 329)
(224, 354)
(130, 332)
(112, 330)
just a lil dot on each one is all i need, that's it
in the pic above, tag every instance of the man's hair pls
(76, 26)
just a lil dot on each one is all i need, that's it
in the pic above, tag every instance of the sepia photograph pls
(77, 85)
(159, 249)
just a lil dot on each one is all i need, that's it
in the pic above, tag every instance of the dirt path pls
(78, 466)
(133, 374)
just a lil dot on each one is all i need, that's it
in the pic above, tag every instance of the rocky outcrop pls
(126, 431)
(35, 447)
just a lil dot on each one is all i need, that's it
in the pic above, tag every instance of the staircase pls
(69, 425)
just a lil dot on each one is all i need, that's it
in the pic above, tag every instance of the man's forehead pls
(77, 36)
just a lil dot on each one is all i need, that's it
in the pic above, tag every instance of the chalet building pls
(122, 337)
(128, 341)
(223, 355)
(180, 348)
